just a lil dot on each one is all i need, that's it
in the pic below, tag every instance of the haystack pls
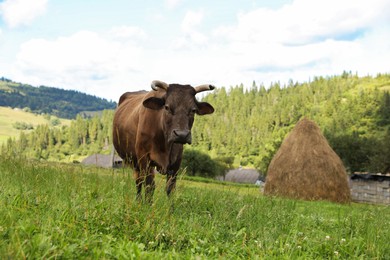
(306, 167)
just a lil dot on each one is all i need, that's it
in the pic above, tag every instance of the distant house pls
(103, 160)
(241, 175)
(370, 188)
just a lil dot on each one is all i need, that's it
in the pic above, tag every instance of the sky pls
(106, 48)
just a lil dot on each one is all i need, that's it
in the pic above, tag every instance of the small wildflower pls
(327, 237)
(336, 253)
(299, 247)
(343, 240)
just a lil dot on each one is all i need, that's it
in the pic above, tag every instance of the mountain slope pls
(9, 117)
(59, 102)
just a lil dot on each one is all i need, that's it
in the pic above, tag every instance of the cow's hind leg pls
(149, 186)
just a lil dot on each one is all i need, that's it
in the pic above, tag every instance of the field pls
(9, 116)
(69, 211)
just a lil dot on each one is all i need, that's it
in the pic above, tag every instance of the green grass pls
(9, 116)
(385, 88)
(65, 211)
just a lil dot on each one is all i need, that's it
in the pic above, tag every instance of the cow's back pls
(125, 123)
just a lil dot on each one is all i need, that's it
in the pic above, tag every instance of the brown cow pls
(150, 129)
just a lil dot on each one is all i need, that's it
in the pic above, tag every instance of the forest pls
(59, 102)
(249, 124)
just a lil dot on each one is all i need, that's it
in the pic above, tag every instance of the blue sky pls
(106, 48)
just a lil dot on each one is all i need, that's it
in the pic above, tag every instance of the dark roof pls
(102, 160)
(242, 175)
(371, 177)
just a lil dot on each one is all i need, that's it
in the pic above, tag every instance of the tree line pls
(249, 124)
(59, 102)
(84, 136)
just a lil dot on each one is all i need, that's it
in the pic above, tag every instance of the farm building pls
(370, 188)
(241, 175)
(306, 167)
(103, 160)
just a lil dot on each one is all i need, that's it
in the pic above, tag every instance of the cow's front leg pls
(149, 186)
(173, 168)
(147, 172)
(139, 180)
(171, 182)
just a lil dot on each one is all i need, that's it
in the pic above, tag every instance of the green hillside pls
(9, 117)
(59, 102)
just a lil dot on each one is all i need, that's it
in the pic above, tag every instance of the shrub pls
(201, 164)
(22, 126)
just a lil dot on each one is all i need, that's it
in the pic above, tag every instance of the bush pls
(55, 121)
(27, 109)
(201, 164)
(22, 126)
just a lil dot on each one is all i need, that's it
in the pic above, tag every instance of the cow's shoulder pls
(130, 95)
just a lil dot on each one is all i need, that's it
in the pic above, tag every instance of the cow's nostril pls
(181, 133)
(182, 136)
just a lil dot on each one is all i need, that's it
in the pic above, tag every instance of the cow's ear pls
(204, 108)
(154, 103)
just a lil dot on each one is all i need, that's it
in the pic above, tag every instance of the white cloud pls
(308, 38)
(191, 20)
(297, 41)
(306, 21)
(191, 35)
(128, 32)
(171, 4)
(87, 61)
(21, 12)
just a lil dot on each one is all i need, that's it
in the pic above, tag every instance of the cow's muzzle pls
(182, 136)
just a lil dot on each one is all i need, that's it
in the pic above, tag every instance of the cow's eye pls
(168, 109)
(194, 110)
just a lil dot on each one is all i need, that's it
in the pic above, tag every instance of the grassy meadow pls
(9, 116)
(70, 211)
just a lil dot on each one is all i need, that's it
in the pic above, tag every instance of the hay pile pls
(306, 167)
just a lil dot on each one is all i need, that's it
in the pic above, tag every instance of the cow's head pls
(180, 106)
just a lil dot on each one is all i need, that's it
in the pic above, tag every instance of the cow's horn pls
(159, 84)
(204, 87)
